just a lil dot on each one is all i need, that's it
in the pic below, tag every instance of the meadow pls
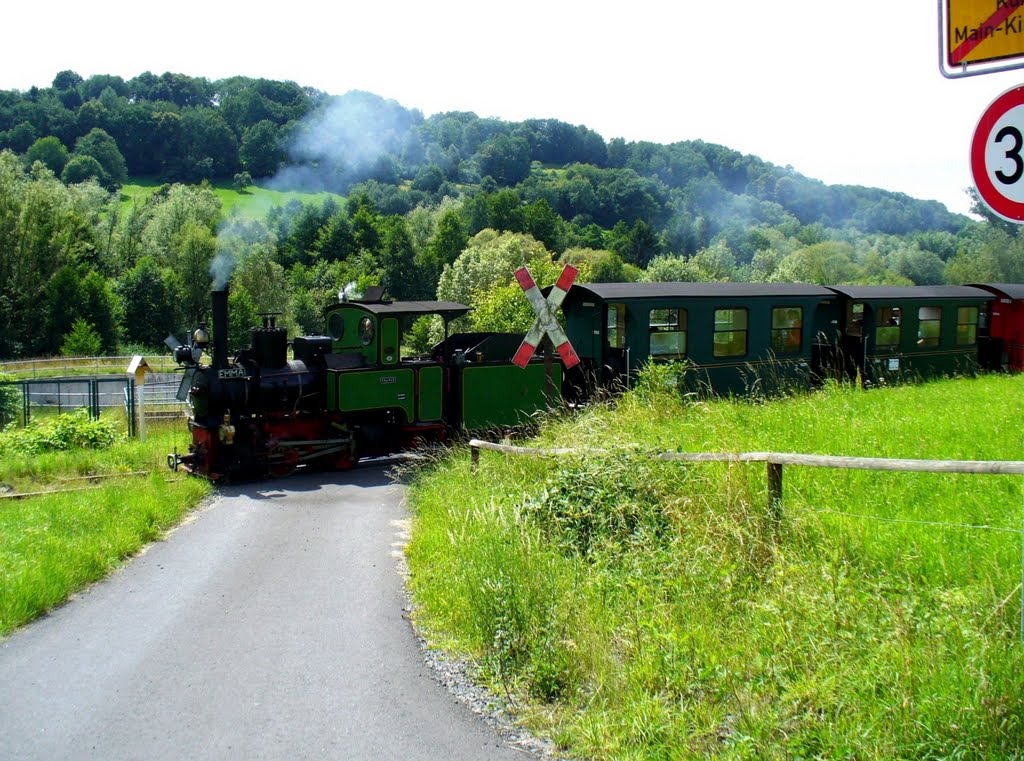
(253, 202)
(637, 609)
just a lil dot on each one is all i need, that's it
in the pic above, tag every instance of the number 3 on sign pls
(997, 156)
(1013, 154)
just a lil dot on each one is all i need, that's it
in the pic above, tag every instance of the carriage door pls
(615, 343)
(853, 340)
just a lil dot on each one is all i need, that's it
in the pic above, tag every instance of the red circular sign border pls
(1004, 207)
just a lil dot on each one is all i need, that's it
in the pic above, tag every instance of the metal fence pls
(66, 367)
(100, 395)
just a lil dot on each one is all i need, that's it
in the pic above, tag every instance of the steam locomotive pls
(352, 394)
(348, 394)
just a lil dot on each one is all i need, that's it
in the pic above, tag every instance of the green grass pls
(253, 202)
(53, 545)
(639, 609)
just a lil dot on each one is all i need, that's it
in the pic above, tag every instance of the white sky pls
(843, 92)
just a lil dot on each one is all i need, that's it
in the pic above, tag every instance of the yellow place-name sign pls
(981, 31)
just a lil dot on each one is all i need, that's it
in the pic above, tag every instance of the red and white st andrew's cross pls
(546, 324)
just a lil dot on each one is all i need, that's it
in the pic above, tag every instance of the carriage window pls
(929, 326)
(967, 325)
(787, 329)
(887, 326)
(730, 332)
(617, 326)
(668, 332)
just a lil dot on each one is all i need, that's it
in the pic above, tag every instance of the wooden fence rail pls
(775, 461)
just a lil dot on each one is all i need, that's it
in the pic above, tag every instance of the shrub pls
(599, 505)
(656, 380)
(73, 430)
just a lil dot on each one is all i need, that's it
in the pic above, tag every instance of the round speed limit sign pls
(997, 155)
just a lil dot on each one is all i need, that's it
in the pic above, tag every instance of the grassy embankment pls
(640, 609)
(53, 545)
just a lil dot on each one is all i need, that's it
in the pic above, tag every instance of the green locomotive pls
(350, 394)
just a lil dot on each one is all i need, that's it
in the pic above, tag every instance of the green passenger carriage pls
(891, 333)
(735, 337)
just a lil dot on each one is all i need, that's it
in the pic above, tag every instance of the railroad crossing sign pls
(986, 32)
(997, 155)
(546, 325)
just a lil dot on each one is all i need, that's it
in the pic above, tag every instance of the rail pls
(778, 459)
(775, 461)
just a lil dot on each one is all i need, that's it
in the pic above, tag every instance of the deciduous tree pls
(82, 169)
(261, 152)
(488, 262)
(101, 146)
(49, 150)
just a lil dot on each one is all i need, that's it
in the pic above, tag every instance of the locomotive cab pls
(389, 402)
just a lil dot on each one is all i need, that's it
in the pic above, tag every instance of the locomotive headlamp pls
(183, 355)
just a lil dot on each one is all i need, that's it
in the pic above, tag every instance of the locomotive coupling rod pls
(313, 442)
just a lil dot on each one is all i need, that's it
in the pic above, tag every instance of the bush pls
(73, 430)
(658, 380)
(600, 505)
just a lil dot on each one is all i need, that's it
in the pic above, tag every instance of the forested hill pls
(446, 206)
(185, 129)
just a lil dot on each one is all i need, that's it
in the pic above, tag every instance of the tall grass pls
(654, 610)
(54, 544)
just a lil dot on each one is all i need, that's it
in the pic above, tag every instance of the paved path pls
(269, 627)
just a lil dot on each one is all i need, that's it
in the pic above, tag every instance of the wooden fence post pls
(775, 491)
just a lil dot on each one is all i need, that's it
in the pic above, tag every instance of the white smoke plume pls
(221, 267)
(345, 142)
(235, 239)
(349, 292)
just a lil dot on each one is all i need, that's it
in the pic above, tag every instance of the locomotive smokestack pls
(220, 327)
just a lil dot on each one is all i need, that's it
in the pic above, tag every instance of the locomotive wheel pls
(346, 461)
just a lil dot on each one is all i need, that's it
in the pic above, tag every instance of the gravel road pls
(272, 625)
